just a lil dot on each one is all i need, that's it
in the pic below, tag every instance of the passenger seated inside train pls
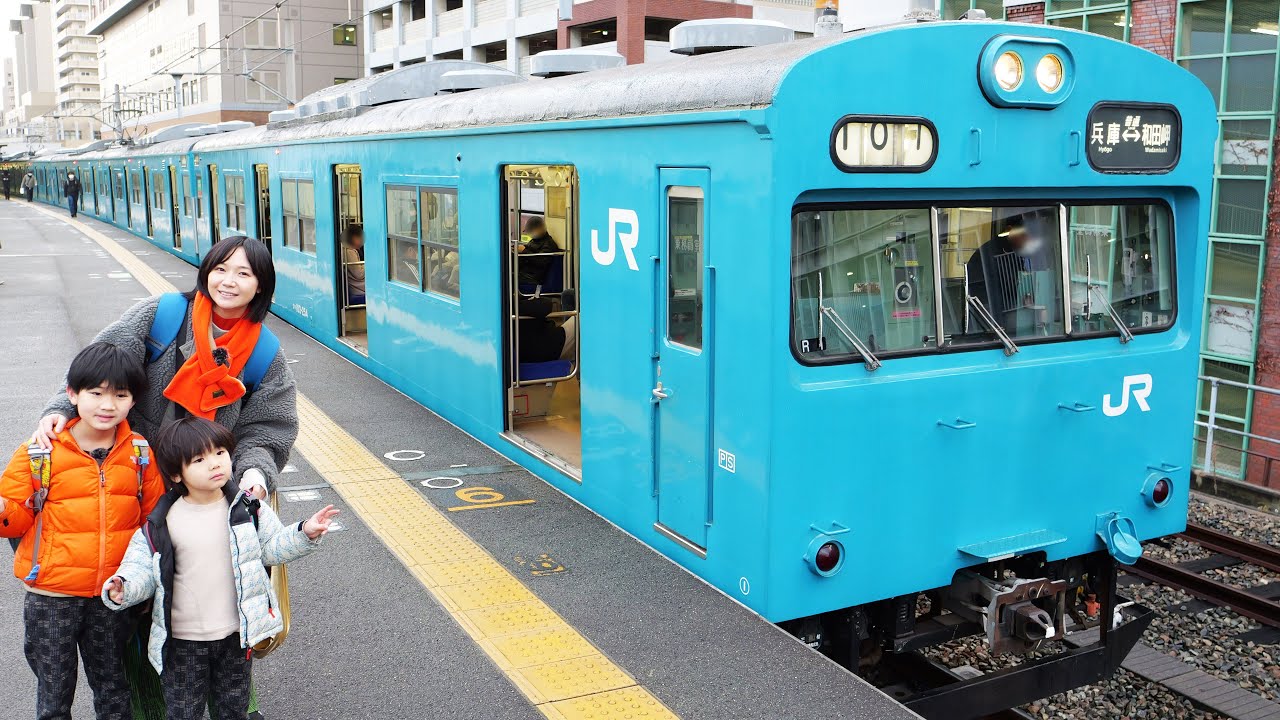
(1002, 271)
(353, 263)
(536, 245)
(444, 270)
(541, 339)
(404, 268)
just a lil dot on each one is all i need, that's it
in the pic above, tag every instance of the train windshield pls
(910, 280)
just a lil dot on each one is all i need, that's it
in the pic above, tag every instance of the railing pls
(450, 21)
(415, 31)
(488, 11)
(500, 64)
(384, 39)
(1212, 428)
(76, 46)
(529, 7)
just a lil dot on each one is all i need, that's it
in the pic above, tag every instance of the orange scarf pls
(202, 385)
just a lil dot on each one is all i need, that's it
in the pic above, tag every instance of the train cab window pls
(1121, 260)
(862, 277)
(1002, 272)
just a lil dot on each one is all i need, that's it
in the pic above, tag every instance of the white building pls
(77, 73)
(171, 61)
(33, 95)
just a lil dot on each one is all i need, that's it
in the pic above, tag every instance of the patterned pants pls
(55, 629)
(195, 671)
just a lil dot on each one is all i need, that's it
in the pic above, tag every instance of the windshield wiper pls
(850, 336)
(1125, 334)
(986, 317)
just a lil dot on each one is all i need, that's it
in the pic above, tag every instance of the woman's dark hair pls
(103, 362)
(259, 262)
(182, 440)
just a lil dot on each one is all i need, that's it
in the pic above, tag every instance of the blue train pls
(891, 337)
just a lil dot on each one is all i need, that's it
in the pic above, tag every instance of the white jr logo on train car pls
(1139, 385)
(629, 238)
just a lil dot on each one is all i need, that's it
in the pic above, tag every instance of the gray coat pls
(265, 424)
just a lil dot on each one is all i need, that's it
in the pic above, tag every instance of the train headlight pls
(1009, 70)
(1006, 62)
(1049, 73)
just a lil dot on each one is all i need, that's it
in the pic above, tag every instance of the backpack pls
(171, 315)
(42, 472)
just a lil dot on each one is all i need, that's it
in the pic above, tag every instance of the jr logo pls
(1139, 385)
(629, 238)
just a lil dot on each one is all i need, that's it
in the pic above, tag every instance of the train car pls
(891, 337)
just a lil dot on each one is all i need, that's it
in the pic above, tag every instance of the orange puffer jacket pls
(89, 516)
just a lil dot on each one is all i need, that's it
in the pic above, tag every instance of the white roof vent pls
(406, 83)
(555, 63)
(94, 146)
(456, 81)
(200, 130)
(281, 115)
(696, 37)
(164, 134)
(233, 125)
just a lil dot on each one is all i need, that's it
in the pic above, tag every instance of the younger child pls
(201, 553)
(75, 511)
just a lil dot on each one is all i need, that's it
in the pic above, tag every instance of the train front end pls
(989, 344)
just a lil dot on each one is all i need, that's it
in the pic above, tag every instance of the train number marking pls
(728, 461)
(477, 498)
(1139, 386)
(629, 238)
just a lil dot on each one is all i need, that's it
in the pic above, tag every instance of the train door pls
(146, 200)
(349, 259)
(262, 191)
(175, 194)
(93, 189)
(114, 180)
(543, 403)
(684, 351)
(197, 208)
(215, 232)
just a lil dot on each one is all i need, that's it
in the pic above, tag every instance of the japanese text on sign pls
(1124, 137)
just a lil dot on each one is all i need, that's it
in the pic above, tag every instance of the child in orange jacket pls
(76, 510)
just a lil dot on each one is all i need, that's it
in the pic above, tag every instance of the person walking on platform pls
(6, 179)
(201, 556)
(208, 353)
(72, 190)
(29, 186)
(75, 509)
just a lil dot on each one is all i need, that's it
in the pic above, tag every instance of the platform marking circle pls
(405, 455)
(438, 483)
(744, 585)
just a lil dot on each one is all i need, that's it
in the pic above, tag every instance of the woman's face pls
(232, 285)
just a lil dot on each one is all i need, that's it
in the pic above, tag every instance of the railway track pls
(1246, 602)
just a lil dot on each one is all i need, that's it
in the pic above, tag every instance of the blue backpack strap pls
(260, 359)
(170, 313)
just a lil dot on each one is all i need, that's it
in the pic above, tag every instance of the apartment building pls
(76, 65)
(507, 33)
(163, 62)
(29, 75)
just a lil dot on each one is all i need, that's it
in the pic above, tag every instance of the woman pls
(201, 371)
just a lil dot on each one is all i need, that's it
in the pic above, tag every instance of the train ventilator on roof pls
(406, 83)
(456, 81)
(697, 37)
(557, 63)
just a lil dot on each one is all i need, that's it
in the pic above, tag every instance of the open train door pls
(683, 386)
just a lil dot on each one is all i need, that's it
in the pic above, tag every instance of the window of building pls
(953, 9)
(234, 195)
(451, 55)
(871, 276)
(191, 7)
(659, 28)
(1101, 17)
(344, 34)
(540, 42)
(263, 87)
(493, 52)
(383, 20)
(422, 238)
(262, 33)
(596, 33)
(299, 210)
(417, 9)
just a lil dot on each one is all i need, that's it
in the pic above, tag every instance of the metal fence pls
(1214, 430)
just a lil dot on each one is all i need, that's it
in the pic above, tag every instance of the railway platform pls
(459, 585)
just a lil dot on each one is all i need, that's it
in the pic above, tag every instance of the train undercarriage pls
(1022, 606)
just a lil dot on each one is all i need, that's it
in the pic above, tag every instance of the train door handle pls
(659, 393)
(958, 424)
(1076, 407)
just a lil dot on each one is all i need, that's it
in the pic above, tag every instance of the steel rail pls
(1254, 553)
(1238, 599)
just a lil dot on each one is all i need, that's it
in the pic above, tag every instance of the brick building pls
(1232, 45)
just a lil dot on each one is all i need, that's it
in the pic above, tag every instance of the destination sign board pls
(1133, 137)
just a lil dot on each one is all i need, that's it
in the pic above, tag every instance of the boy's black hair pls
(103, 362)
(182, 440)
(259, 262)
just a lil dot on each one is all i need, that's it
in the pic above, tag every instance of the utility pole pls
(177, 91)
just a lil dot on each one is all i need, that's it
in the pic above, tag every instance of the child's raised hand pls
(317, 525)
(115, 590)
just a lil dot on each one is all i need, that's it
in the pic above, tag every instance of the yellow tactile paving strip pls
(550, 662)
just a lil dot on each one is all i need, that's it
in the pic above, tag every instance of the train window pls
(1001, 266)
(439, 206)
(299, 212)
(1121, 260)
(862, 276)
(157, 190)
(234, 200)
(405, 266)
(135, 188)
(685, 262)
